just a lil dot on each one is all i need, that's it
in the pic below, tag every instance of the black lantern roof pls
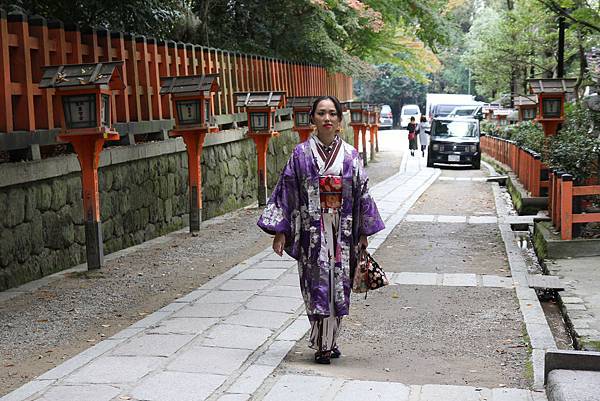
(524, 100)
(552, 85)
(259, 99)
(82, 75)
(189, 84)
(301, 101)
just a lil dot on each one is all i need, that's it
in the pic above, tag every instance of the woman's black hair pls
(336, 103)
(423, 119)
(412, 118)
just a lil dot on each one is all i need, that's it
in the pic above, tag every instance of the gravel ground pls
(428, 335)
(455, 248)
(43, 328)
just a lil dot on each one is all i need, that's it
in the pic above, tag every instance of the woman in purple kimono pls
(321, 213)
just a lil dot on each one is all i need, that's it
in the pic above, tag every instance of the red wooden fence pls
(560, 205)
(27, 44)
(526, 164)
(562, 192)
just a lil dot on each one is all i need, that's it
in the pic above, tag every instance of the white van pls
(408, 111)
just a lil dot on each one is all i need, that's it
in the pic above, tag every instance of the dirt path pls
(434, 334)
(43, 328)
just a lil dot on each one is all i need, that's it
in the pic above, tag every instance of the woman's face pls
(326, 118)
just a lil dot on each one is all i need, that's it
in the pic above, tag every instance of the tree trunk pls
(560, 51)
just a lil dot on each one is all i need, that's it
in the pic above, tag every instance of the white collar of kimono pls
(338, 163)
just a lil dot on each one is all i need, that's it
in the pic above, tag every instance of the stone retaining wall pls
(143, 194)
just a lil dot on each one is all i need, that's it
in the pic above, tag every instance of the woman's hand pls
(363, 243)
(278, 243)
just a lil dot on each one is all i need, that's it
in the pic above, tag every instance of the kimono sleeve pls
(370, 220)
(277, 215)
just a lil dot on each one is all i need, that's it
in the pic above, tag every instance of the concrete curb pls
(535, 321)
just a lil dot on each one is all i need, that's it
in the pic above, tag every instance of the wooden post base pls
(262, 145)
(194, 142)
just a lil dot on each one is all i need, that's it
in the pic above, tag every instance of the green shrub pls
(529, 135)
(489, 128)
(576, 148)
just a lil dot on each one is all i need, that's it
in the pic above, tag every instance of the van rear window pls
(410, 112)
(443, 109)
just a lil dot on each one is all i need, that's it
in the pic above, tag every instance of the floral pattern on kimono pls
(294, 209)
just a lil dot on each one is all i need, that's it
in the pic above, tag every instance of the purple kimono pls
(295, 209)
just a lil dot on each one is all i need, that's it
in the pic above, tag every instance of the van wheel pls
(429, 160)
(477, 164)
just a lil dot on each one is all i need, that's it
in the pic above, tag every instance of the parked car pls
(386, 119)
(408, 111)
(454, 141)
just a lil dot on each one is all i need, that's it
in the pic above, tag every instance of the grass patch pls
(495, 164)
(528, 367)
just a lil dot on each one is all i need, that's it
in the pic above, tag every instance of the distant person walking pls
(321, 214)
(412, 136)
(423, 135)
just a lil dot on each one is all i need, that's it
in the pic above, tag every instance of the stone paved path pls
(225, 340)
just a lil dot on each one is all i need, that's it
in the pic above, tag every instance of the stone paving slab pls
(259, 274)
(450, 279)
(177, 386)
(460, 280)
(234, 336)
(581, 298)
(214, 360)
(201, 310)
(153, 345)
(275, 304)
(90, 392)
(435, 218)
(183, 326)
(309, 388)
(115, 369)
(254, 318)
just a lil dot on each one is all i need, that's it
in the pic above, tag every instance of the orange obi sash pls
(330, 189)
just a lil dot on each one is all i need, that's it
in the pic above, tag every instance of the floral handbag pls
(369, 275)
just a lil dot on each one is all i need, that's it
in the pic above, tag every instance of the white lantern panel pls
(80, 111)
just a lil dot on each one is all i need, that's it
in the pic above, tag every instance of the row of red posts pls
(550, 97)
(85, 102)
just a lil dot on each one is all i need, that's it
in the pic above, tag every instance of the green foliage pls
(391, 87)
(489, 128)
(576, 148)
(529, 135)
(342, 35)
(155, 18)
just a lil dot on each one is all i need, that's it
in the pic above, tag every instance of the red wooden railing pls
(561, 199)
(526, 164)
(26, 45)
(528, 167)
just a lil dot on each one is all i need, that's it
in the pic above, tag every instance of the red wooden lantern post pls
(192, 101)
(302, 124)
(527, 107)
(376, 126)
(365, 126)
(84, 94)
(551, 94)
(260, 107)
(358, 122)
(373, 120)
